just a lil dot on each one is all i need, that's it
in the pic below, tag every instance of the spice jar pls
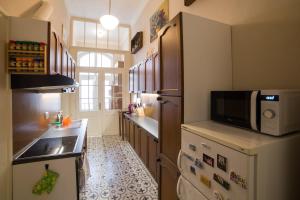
(18, 46)
(12, 62)
(36, 46)
(24, 46)
(41, 64)
(30, 46)
(36, 63)
(30, 62)
(42, 46)
(12, 45)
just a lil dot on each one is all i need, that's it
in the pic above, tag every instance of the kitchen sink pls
(51, 146)
(75, 124)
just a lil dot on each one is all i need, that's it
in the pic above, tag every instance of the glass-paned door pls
(100, 96)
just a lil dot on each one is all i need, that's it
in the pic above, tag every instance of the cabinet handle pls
(179, 161)
(158, 92)
(174, 24)
(178, 188)
(161, 101)
(205, 145)
(158, 160)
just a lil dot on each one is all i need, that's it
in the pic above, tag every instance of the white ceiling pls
(126, 10)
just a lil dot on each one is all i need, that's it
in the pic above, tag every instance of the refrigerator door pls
(186, 191)
(216, 170)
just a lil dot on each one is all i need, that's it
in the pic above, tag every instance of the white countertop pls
(147, 123)
(240, 139)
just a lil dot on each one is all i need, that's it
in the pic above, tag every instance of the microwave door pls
(233, 107)
(254, 110)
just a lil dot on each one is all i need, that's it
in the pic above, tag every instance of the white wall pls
(5, 120)
(265, 38)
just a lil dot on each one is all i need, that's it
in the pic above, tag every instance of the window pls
(88, 91)
(93, 35)
(113, 91)
(96, 59)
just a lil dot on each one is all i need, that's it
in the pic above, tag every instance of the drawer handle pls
(178, 188)
(192, 147)
(179, 161)
(189, 157)
(205, 145)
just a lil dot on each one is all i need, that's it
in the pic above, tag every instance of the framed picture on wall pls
(159, 19)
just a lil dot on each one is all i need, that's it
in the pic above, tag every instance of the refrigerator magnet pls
(221, 181)
(222, 162)
(208, 160)
(205, 181)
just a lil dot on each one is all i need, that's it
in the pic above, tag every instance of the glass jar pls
(36, 46)
(24, 46)
(12, 45)
(18, 46)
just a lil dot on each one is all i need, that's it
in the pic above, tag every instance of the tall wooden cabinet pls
(195, 58)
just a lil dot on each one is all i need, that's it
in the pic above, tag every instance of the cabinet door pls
(144, 147)
(74, 70)
(156, 70)
(142, 77)
(171, 61)
(149, 75)
(59, 57)
(64, 61)
(136, 79)
(127, 129)
(52, 67)
(131, 133)
(70, 66)
(137, 142)
(167, 180)
(152, 156)
(131, 71)
(170, 120)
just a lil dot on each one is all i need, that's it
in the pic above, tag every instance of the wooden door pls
(135, 79)
(144, 146)
(156, 69)
(137, 140)
(170, 120)
(152, 156)
(149, 75)
(142, 78)
(52, 67)
(168, 180)
(171, 61)
(131, 133)
(131, 71)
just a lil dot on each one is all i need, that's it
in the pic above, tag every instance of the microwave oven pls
(273, 112)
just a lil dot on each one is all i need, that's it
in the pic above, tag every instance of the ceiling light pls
(109, 22)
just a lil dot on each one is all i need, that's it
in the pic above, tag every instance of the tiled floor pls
(116, 172)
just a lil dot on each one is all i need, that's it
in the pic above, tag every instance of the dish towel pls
(46, 183)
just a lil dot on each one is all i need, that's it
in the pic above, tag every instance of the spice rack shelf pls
(27, 61)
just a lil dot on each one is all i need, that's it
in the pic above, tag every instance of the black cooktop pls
(51, 146)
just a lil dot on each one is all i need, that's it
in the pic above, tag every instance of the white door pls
(101, 77)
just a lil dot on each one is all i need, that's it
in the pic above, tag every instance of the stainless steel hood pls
(43, 83)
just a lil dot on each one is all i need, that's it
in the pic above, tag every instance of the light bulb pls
(109, 22)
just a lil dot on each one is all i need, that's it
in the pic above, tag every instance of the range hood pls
(43, 83)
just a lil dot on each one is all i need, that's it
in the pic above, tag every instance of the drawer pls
(186, 191)
(208, 165)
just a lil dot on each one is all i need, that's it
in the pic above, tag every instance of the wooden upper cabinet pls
(74, 70)
(142, 77)
(64, 61)
(156, 69)
(149, 75)
(59, 57)
(131, 80)
(170, 51)
(70, 66)
(170, 120)
(52, 67)
(136, 79)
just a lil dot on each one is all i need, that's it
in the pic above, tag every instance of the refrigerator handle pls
(179, 161)
(178, 188)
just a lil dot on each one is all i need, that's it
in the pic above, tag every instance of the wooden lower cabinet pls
(137, 141)
(168, 176)
(152, 156)
(127, 129)
(144, 147)
(131, 133)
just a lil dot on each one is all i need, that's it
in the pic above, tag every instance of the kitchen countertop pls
(147, 123)
(75, 129)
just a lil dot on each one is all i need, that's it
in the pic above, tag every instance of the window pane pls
(88, 91)
(101, 37)
(123, 38)
(107, 60)
(99, 60)
(93, 92)
(119, 61)
(92, 59)
(83, 78)
(84, 104)
(90, 34)
(93, 104)
(113, 91)
(113, 39)
(83, 59)
(78, 33)
(93, 78)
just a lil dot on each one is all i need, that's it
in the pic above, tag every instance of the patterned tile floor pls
(116, 171)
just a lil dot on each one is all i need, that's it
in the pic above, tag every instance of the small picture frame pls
(222, 162)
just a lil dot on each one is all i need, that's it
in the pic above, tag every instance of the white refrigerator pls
(226, 163)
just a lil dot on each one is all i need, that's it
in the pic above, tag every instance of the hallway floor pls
(116, 171)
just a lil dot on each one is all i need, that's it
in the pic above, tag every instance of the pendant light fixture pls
(109, 22)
